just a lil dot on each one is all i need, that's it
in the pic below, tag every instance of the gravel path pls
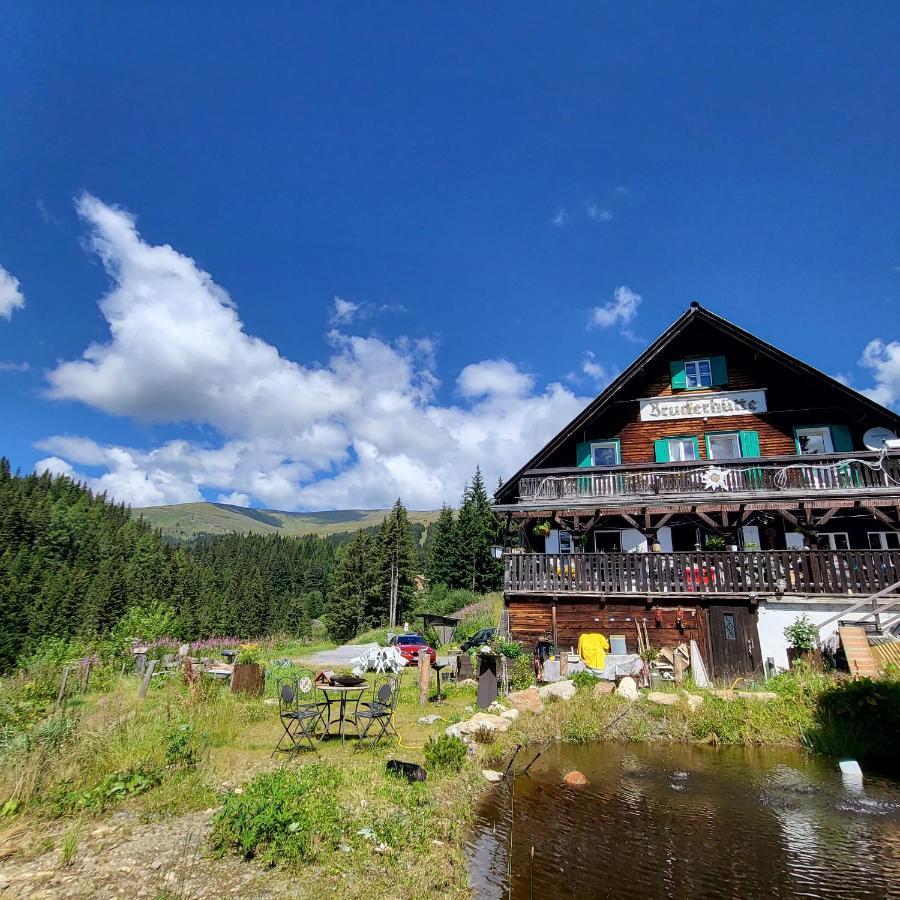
(339, 656)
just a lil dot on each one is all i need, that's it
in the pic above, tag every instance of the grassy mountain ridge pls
(187, 520)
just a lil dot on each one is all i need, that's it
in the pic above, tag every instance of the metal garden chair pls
(299, 712)
(380, 711)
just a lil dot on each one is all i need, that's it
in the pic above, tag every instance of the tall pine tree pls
(355, 592)
(439, 549)
(397, 565)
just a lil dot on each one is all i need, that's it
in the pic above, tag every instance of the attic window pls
(698, 373)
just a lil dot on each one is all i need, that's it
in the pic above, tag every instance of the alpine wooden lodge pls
(717, 489)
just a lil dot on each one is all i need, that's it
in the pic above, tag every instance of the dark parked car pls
(479, 638)
(410, 645)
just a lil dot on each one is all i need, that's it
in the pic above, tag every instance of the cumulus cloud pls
(596, 371)
(357, 431)
(620, 311)
(344, 311)
(884, 361)
(11, 296)
(560, 217)
(235, 498)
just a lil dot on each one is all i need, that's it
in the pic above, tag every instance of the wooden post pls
(424, 677)
(145, 684)
(678, 662)
(555, 638)
(86, 676)
(61, 696)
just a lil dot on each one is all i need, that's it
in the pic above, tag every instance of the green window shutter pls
(719, 370)
(840, 438)
(679, 378)
(749, 443)
(583, 454)
(661, 449)
(696, 448)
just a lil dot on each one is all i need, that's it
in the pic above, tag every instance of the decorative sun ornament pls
(714, 479)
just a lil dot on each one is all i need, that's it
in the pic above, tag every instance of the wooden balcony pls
(783, 476)
(803, 572)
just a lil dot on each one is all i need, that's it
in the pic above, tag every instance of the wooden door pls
(733, 642)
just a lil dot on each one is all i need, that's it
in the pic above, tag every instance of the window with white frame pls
(683, 449)
(724, 446)
(698, 373)
(884, 540)
(835, 540)
(605, 453)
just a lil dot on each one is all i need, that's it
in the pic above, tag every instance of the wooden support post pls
(555, 638)
(678, 662)
(424, 677)
(61, 696)
(145, 684)
(86, 676)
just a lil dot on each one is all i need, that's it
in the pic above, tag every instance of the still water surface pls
(687, 822)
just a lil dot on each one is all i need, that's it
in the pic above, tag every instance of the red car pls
(410, 645)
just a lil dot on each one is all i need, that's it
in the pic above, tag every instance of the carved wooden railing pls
(765, 572)
(832, 473)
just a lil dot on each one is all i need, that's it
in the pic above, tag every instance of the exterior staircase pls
(855, 642)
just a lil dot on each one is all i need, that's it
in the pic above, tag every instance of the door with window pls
(733, 642)
(884, 540)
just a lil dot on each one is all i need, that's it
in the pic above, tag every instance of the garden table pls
(340, 696)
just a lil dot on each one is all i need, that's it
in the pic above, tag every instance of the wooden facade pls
(796, 503)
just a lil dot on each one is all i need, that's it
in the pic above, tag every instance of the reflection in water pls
(687, 822)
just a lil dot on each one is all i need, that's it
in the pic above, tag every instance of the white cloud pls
(236, 498)
(344, 311)
(11, 296)
(597, 213)
(358, 431)
(54, 465)
(7, 365)
(884, 361)
(596, 371)
(619, 311)
(560, 217)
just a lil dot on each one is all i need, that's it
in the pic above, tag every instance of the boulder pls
(511, 714)
(487, 722)
(496, 707)
(561, 690)
(758, 696)
(527, 701)
(694, 702)
(492, 775)
(454, 730)
(602, 688)
(429, 720)
(575, 779)
(627, 688)
(662, 699)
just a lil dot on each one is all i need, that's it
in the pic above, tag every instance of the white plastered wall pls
(773, 619)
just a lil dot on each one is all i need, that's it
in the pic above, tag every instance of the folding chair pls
(380, 711)
(299, 713)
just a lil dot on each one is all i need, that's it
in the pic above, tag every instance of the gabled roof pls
(694, 314)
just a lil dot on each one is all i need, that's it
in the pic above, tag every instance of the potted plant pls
(542, 528)
(248, 676)
(803, 637)
(715, 542)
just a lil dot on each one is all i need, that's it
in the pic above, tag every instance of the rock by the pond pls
(758, 696)
(561, 690)
(602, 688)
(575, 779)
(662, 699)
(694, 701)
(511, 714)
(528, 700)
(478, 722)
(429, 720)
(627, 688)
(492, 775)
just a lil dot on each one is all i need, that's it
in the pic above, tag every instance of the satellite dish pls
(877, 438)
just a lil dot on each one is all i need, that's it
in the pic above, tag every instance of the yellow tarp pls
(592, 648)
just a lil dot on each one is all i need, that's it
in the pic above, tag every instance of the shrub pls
(284, 817)
(182, 747)
(584, 679)
(521, 673)
(802, 634)
(248, 654)
(445, 752)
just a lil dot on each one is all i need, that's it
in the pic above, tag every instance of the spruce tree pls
(356, 588)
(439, 558)
(397, 565)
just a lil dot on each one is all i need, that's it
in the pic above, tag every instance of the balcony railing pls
(783, 475)
(843, 572)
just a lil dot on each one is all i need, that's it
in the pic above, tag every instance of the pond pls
(678, 821)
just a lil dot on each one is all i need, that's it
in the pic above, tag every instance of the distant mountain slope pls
(187, 520)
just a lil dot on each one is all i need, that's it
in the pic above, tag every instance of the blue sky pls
(508, 199)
